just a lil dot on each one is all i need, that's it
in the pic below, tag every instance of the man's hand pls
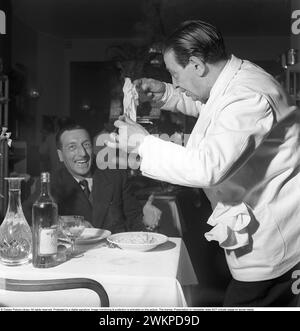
(149, 89)
(131, 135)
(151, 214)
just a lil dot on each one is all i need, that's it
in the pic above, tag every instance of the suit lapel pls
(102, 193)
(71, 185)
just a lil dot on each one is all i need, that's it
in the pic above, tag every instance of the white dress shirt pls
(245, 152)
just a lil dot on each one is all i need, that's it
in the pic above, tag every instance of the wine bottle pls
(45, 227)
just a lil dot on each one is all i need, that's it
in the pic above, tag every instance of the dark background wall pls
(90, 94)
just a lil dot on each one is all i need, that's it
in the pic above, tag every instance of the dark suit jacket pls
(114, 206)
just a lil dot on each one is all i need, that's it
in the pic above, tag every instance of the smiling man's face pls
(76, 152)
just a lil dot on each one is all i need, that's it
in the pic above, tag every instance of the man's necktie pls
(85, 186)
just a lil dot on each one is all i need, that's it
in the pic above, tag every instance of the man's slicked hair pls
(70, 126)
(196, 38)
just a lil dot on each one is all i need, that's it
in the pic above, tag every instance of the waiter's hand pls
(152, 214)
(131, 135)
(150, 89)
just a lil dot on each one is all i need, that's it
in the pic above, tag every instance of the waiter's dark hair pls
(70, 126)
(196, 38)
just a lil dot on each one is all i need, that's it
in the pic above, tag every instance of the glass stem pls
(73, 246)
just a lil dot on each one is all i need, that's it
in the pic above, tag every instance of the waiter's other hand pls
(151, 214)
(131, 135)
(149, 89)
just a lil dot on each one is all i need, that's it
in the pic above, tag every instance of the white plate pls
(137, 241)
(92, 235)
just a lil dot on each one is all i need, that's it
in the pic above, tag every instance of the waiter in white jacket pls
(244, 151)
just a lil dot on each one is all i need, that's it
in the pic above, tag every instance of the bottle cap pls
(45, 177)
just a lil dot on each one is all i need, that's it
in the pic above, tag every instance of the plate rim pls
(86, 241)
(166, 238)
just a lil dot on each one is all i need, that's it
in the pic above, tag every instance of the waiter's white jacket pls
(244, 151)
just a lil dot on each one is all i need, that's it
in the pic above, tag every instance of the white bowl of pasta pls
(137, 241)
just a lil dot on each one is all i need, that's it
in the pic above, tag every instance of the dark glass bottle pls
(44, 227)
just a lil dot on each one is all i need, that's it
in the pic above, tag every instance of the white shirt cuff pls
(142, 148)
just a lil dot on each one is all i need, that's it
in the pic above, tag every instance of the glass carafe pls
(15, 233)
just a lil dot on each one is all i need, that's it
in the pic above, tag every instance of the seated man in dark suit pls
(103, 197)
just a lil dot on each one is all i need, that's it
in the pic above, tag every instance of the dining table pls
(154, 278)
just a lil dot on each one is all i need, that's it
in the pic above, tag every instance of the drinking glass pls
(72, 226)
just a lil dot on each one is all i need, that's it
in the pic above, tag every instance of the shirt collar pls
(229, 71)
(88, 179)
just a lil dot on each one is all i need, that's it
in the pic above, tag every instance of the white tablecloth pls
(131, 279)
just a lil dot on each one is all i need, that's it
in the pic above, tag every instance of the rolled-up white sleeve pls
(174, 100)
(238, 127)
